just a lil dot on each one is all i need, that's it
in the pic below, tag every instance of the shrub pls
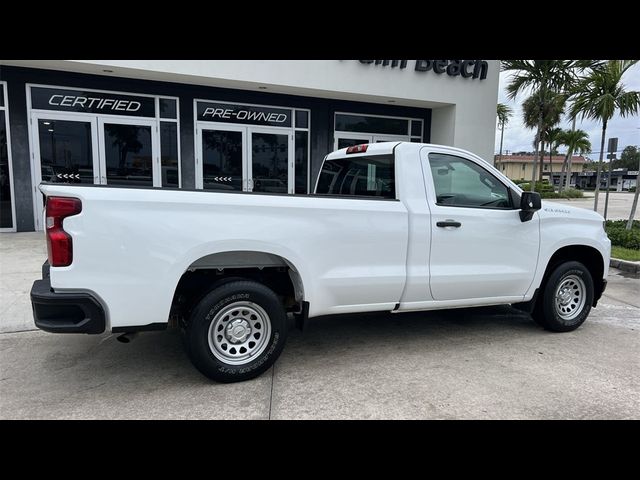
(620, 236)
(569, 193)
(572, 193)
(549, 195)
(541, 187)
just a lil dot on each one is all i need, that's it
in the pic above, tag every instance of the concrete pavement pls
(488, 363)
(21, 259)
(472, 363)
(619, 204)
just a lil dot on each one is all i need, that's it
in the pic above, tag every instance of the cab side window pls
(459, 182)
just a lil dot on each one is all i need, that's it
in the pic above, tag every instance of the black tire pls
(546, 313)
(200, 347)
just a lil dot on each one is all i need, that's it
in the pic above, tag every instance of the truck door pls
(479, 246)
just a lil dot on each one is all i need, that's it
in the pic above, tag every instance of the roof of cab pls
(380, 148)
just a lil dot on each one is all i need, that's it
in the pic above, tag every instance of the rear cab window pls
(358, 176)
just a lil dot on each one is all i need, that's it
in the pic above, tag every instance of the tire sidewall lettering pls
(226, 301)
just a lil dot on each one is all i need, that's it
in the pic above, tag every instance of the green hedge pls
(541, 187)
(546, 190)
(620, 236)
(568, 193)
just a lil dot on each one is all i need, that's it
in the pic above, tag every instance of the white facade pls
(463, 109)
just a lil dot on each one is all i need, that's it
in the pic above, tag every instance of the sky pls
(518, 138)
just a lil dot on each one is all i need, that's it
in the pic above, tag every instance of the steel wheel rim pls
(239, 333)
(570, 297)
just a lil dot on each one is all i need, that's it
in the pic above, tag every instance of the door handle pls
(449, 223)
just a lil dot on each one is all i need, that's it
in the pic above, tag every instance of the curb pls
(627, 266)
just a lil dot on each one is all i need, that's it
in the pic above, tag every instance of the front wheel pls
(566, 298)
(237, 331)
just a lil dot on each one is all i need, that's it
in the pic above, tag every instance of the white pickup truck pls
(391, 227)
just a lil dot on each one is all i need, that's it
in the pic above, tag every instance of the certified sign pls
(244, 114)
(91, 102)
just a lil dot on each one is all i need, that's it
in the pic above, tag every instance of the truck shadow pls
(385, 328)
(163, 352)
(155, 360)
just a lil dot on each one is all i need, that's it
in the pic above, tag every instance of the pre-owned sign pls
(244, 114)
(452, 68)
(91, 102)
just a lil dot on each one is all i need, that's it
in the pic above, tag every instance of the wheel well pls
(588, 256)
(212, 271)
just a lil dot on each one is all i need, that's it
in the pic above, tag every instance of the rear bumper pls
(65, 312)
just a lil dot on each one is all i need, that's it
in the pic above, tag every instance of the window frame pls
(201, 124)
(514, 204)
(407, 137)
(4, 110)
(32, 131)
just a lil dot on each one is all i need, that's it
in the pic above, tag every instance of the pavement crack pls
(273, 376)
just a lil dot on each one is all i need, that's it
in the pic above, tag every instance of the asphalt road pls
(488, 363)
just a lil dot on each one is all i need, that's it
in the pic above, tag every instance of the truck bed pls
(132, 245)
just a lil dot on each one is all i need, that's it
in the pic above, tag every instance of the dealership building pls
(220, 125)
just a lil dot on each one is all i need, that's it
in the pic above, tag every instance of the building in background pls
(622, 179)
(231, 125)
(520, 167)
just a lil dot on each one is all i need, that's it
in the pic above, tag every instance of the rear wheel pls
(566, 298)
(237, 331)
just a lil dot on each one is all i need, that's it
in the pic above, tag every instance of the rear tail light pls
(59, 244)
(358, 148)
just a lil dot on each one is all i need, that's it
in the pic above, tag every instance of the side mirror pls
(529, 202)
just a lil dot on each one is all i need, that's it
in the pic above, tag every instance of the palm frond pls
(601, 93)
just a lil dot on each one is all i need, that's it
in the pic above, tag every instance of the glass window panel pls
(302, 119)
(460, 182)
(222, 160)
(169, 153)
(66, 151)
(1, 96)
(269, 161)
(129, 155)
(6, 215)
(371, 176)
(350, 142)
(168, 108)
(302, 161)
(366, 124)
(416, 128)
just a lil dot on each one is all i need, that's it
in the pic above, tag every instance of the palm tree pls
(542, 76)
(575, 141)
(567, 157)
(503, 112)
(552, 137)
(599, 95)
(550, 106)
